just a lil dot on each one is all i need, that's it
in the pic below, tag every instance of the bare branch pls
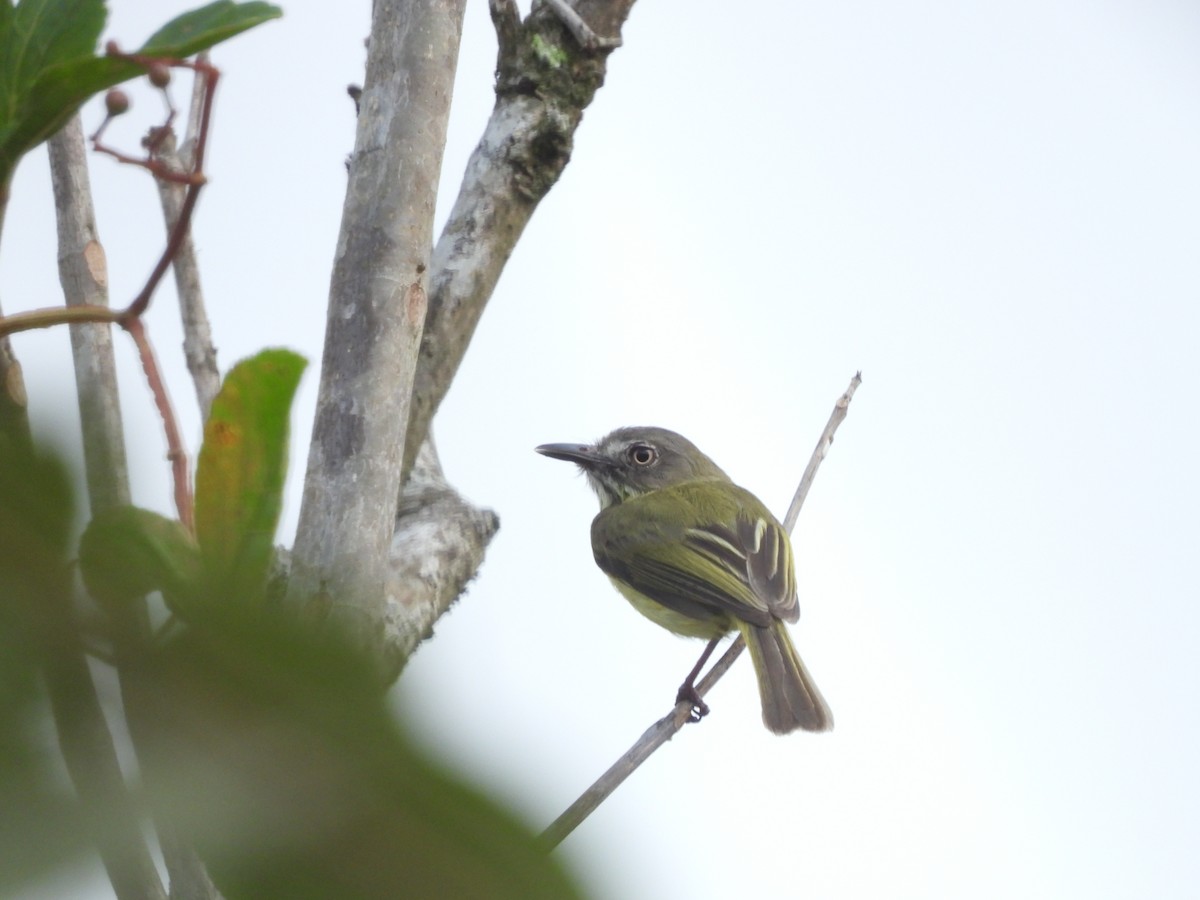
(840, 409)
(666, 727)
(545, 79)
(86, 742)
(377, 309)
(84, 277)
(195, 120)
(580, 29)
(83, 272)
(506, 19)
(198, 347)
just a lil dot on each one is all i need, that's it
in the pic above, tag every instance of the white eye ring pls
(642, 455)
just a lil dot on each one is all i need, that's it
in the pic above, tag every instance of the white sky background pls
(993, 210)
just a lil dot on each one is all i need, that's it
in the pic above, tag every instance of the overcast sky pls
(993, 211)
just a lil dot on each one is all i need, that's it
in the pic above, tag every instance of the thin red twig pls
(130, 318)
(175, 452)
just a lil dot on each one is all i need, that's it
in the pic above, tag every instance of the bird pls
(700, 556)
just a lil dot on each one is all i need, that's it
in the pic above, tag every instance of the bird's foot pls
(687, 694)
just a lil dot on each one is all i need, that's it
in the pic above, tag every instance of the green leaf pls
(48, 70)
(126, 552)
(35, 36)
(44, 33)
(240, 472)
(201, 28)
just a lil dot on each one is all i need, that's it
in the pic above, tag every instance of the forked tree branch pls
(545, 79)
(666, 727)
(548, 70)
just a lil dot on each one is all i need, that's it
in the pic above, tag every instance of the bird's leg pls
(687, 690)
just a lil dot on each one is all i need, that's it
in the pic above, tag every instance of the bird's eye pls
(642, 455)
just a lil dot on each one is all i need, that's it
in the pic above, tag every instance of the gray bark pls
(376, 315)
(83, 273)
(436, 550)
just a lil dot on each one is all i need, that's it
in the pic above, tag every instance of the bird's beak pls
(580, 454)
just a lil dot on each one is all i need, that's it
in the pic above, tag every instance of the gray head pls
(633, 461)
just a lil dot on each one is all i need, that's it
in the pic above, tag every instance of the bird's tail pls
(790, 700)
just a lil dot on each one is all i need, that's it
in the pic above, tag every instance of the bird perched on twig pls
(701, 557)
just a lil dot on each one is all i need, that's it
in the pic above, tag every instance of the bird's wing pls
(743, 570)
(759, 554)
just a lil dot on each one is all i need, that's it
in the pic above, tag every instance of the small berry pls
(159, 74)
(116, 102)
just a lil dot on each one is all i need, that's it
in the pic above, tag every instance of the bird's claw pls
(687, 694)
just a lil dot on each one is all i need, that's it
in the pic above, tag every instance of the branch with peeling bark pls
(436, 550)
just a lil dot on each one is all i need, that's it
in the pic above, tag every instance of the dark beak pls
(580, 454)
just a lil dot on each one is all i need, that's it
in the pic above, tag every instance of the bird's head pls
(630, 462)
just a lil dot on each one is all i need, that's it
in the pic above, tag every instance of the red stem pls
(175, 451)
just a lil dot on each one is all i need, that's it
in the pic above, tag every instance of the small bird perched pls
(701, 557)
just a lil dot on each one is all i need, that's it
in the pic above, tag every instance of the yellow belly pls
(670, 619)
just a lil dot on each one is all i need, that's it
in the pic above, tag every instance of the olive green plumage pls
(699, 556)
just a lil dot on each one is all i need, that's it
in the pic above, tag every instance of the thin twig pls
(198, 349)
(58, 315)
(666, 727)
(174, 241)
(196, 114)
(580, 30)
(175, 452)
(818, 455)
